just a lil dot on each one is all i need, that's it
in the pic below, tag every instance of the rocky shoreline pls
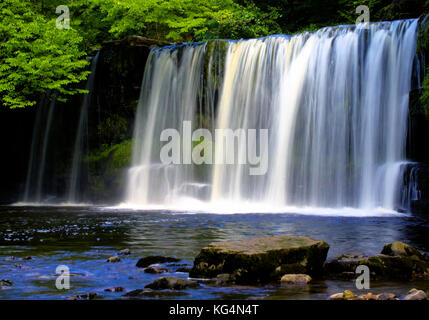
(284, 260)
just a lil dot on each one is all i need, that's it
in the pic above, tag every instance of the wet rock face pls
(261, 260)
(397, 261)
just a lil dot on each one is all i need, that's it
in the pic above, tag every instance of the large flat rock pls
(261, 260)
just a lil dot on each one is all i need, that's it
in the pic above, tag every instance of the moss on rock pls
(261, 260)
(398, 261)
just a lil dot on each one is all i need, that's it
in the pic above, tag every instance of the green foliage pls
(424, 98)
(110, 159)
(36, 56)
(189, 20)
(113, 129)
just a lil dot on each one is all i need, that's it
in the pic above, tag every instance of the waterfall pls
(81, 133)
(34, 185)
(334, 102)
(410, 190)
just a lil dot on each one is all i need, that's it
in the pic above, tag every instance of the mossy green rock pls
(398, 248)
(261, 260)
(398, 261)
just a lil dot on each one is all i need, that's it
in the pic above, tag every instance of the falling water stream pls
(80, 135)
(335, 103)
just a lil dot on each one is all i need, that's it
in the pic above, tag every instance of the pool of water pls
(83, 238)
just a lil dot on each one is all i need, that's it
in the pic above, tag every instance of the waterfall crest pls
(335, 103)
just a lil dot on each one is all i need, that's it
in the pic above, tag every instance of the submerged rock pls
(381, 296)
(173, 283)
(114, 259)
(115, 289)
(147, 261)
(295, 279)
(415, 294)
(124, 252)
(154, 294)
(387, 296)
(156, 269)
(5, 283)
(87, 296)
(261, 260)
(398, 261)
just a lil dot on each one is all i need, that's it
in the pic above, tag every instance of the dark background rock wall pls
(116, 92)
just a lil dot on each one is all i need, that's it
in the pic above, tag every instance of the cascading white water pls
(335, 103)
(39, 147)
(81, 133)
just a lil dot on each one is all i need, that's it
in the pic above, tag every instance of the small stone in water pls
(114, 259)
(337, 296)
(295, 279)
(156, 269)
(10, 258)
(386, 296)
(346, 295)
(115, 289)
(88, 296)
(415, 294)
(27, 258)
(147, 261)
(5, 283)
(174, 283)
(124, 252)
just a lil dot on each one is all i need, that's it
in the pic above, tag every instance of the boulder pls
(295, 279)
(261, 260)
(398, 261)
(398, 248)
(147, 261)
(173, 283)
